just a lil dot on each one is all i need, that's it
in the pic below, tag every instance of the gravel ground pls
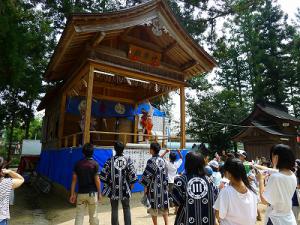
(31, 208)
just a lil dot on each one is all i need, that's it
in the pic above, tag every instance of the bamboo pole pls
(89, 95)
(182, 117)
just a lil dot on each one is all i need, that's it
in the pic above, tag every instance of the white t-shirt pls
(279, 191)
(172, 170)
(236, 208)
(5, 189)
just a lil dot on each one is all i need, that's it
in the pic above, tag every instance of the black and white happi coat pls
(118, 174)
(195, 198)
(155, 178)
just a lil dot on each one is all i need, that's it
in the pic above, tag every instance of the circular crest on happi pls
(197, 188)
(160, 163)
(120, 163)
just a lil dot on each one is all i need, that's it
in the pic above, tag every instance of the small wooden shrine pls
(267, 125)
(126, 57)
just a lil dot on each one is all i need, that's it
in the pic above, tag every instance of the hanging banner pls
(108, 109)
(100, 108)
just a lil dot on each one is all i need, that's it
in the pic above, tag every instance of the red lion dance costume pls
(146, 122)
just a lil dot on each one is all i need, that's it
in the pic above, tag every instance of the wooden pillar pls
(61, 119)
(182, 117)
(88, 110)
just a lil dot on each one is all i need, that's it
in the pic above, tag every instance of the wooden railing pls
(72, 140)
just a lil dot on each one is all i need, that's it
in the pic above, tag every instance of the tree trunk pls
(28, 120)
(10, 139)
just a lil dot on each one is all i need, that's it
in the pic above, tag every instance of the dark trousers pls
(126, 211)
(269, 222)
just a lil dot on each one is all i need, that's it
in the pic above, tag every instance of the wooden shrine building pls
(268, 124)
(127, 57)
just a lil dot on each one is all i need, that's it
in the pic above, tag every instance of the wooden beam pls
(135, 73)
(188, 65)
(116, 87)
(170, 47)
(61, 49)
(97, 39)
(62, 118)
(116, 99)
(76, 77)
(182, 118)
(141, 43)
(148, 98)
(89, 96)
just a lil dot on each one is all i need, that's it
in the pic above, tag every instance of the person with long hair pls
(237, 202)
(8, 180)
(296, 196)
(193, 193)
(280, 187)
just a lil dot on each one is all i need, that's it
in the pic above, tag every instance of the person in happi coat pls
(193, 193)
(119, 176)
(155, 181)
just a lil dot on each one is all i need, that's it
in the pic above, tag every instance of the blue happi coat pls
(117, 175)
(155, 178)
(195, 197)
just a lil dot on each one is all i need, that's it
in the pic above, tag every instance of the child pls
(172, 167)
(217, 177)
(155, 181)
(118, 176)
(236, 203)
(193, 193)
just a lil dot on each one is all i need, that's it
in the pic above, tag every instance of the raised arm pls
(17, 179)
(179, 153)
(165, 152)
(150, 113)
(261, 181)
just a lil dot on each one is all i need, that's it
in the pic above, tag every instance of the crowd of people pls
(225, 190)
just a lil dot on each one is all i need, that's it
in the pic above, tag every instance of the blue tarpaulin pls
(146, 107)
(58, 165)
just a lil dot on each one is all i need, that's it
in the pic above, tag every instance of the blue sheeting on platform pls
(58, 165)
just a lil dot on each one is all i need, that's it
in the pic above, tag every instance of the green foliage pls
(19, 134)
(210, 113)
(26, 39)
(258, 59)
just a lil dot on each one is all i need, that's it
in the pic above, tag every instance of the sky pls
(288, 6)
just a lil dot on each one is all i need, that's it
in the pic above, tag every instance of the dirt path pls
(31, 208)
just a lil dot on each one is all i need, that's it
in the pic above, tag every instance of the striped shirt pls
(5, 189)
